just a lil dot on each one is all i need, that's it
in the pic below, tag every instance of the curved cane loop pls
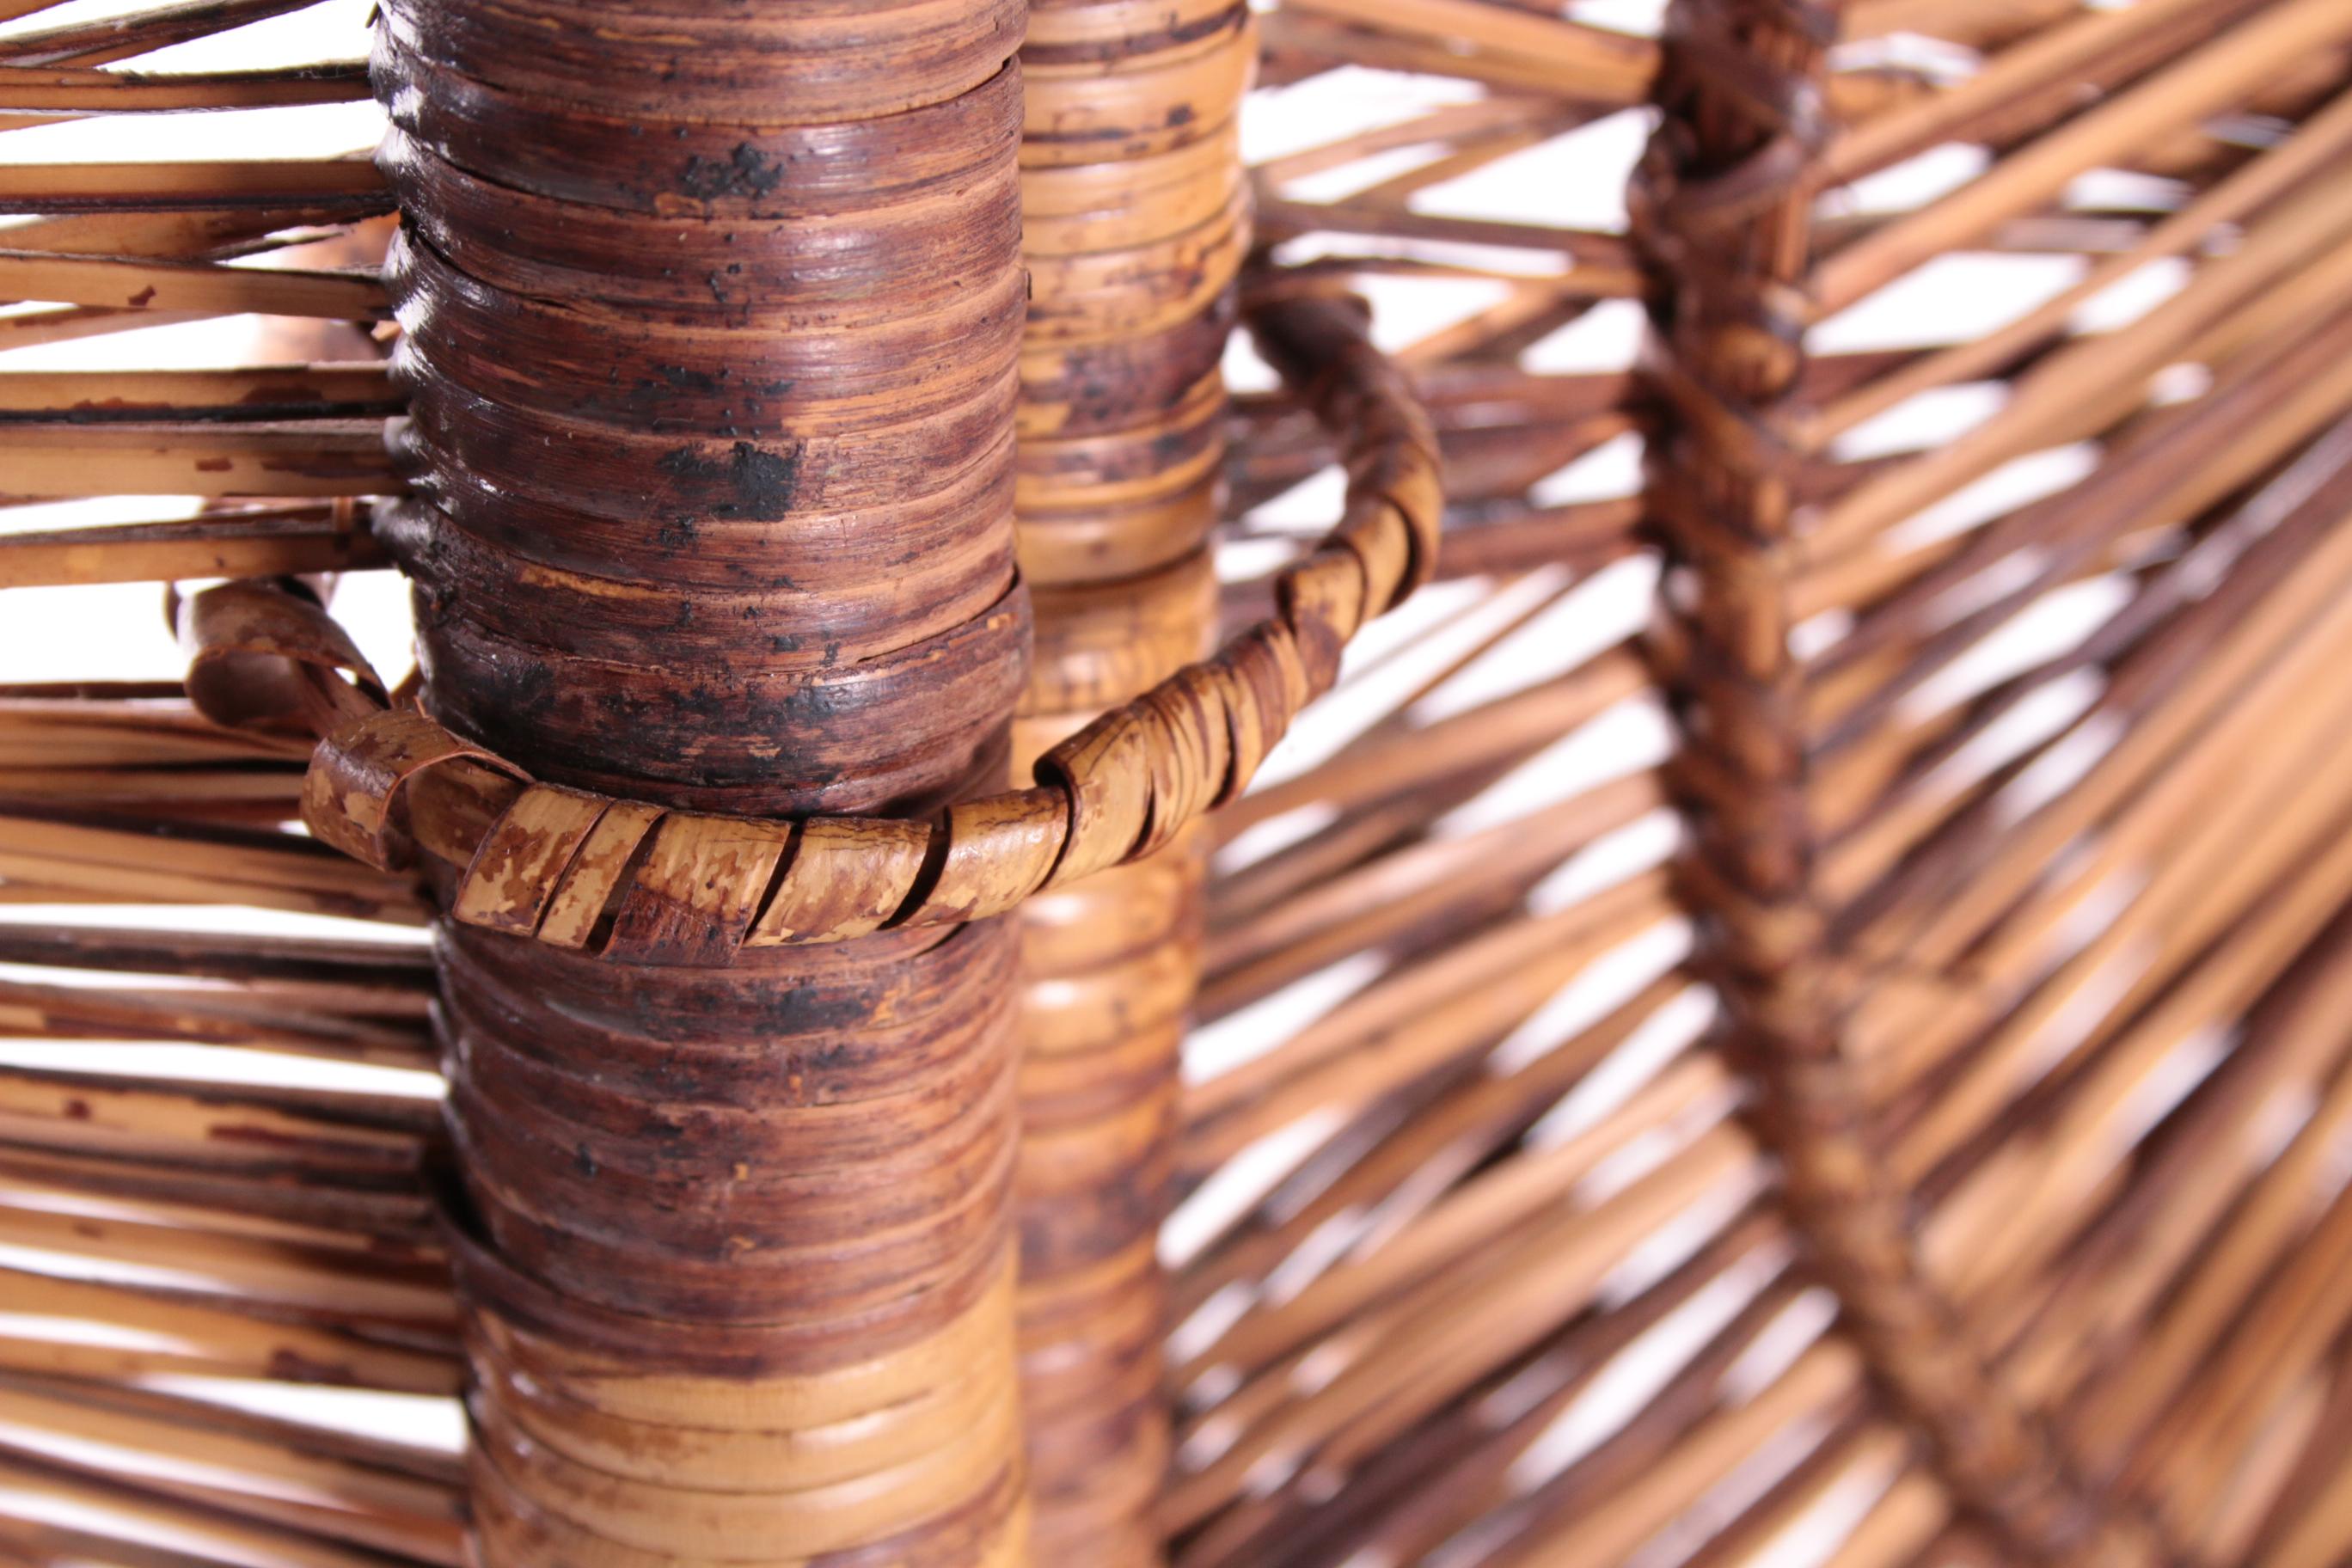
(1721, 210)
(260, 657)
(583, 871)
(350, 796)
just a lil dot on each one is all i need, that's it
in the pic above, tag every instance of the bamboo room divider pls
(1847, 1066)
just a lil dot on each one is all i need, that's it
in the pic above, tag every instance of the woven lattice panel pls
(1992, 621)
(1783, 1005)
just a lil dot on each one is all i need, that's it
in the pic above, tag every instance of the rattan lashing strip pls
(653, 886)
(1722, 213)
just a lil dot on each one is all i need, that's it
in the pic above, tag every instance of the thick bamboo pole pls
(710, 320)
(1722, 210)
(1135, 222)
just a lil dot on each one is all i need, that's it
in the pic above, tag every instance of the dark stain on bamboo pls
(709, 326)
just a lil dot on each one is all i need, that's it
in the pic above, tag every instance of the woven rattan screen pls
(1336, 785)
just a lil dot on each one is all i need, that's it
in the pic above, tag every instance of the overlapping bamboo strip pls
(1725, 507)
(37, 94)
(2124, 519)
(358, 775)
(240, 622)
(1521, 1293)
(260, 540)
(1468, 968)
(1134, 224)
(1449, 1002)
(2056, 1166)
(101, 40)
(719, 1309)
(67, 849)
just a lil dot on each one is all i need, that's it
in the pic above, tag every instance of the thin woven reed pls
(1849, 1070)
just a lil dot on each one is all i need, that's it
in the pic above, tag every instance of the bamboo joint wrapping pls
(1722, 209)
(1135, 224)
(710, 320)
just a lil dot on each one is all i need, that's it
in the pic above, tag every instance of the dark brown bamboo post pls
(1722, 213)
(711, 313)
(1135, 222)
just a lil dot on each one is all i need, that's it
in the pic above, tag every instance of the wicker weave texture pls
(1786, 1007)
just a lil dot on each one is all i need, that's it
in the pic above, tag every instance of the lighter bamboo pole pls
(703, 307)
(1722, 209)
(1135, 222)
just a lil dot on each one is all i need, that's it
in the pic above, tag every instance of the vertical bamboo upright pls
(1135, 224)
(1841, 1059)
(1724, 210)
(710, 322)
